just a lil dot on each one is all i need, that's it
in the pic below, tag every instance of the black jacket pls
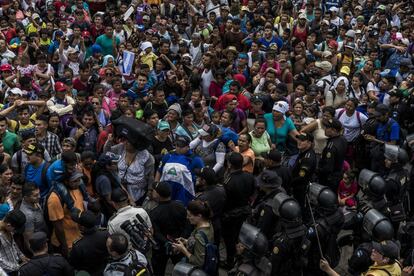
(239, 186)
(168, 220)
(54, 265)
(89, 253)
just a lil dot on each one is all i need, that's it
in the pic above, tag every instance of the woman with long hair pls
(193, 248)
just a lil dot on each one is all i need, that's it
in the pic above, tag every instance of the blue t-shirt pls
(389, 131)
(33, 174)
(279, 135)
(277, 40)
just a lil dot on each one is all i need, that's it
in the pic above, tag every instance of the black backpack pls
(211, 256)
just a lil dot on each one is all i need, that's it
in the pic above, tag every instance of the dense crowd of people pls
(248, 137)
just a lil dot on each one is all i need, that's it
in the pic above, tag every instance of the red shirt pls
(79, 85)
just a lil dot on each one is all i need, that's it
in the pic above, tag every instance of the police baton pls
(314, 225)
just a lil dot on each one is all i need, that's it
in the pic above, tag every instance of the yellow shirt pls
(148, 59)
(13, 124)
(381, 270)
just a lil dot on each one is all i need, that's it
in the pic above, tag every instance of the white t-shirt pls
(352, 126)
(206, 79)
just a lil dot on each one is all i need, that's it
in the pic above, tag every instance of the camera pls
(139, 233)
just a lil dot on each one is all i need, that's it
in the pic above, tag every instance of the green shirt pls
(11, 143)
(106, 44)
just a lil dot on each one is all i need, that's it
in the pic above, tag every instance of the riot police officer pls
(263, 218)
(328, 222)
(333, 155)
(378, 228)
(304, 167)
(371, 195)
(251, 248)
(290, 246)
(396, 178)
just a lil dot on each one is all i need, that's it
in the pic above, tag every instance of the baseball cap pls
(207, 130)
(350, 33)
(334, 123)
(72, 50)
(16, 91)
(273, 155)
(324, 65)
(381, 109)
(182, 141)
(108, 158)
(333, 9)
(305, 137)
(69, 140)
(388, 248)
(163, 125)
(302, 16)
(119, 195)
(34, 148)
(269, 179)
(359, 8)
(146, 45)
(281, 106)
(163, 189)
(325, 22)
(350, 45)
(60, 87)
(345, 70)
(208, 174)
(256, 99)
(86, 34)
(5, 67)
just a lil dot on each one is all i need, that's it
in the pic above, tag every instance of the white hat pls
(333, 9)
(145, 45)
(324, 65)
(16, 91)
(302, 16)
(281, 106)
(186, 55)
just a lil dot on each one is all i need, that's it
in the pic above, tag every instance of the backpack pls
(358, 115)
(211, 256)
(48, 223)
(402, 133)
(132, 269)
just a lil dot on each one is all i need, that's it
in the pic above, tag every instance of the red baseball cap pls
(5, 67)
(86, 34)
(60, 87)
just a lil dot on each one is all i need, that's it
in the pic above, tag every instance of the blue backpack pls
(211, 257)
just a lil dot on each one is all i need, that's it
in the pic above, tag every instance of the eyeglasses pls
(109, 74)
(95, 103)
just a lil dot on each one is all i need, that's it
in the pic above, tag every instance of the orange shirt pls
(59, 212)
(249, 166)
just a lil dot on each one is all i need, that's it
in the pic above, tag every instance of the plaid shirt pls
(51, 144)
(10, 254)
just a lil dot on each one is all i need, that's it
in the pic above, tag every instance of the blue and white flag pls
(128, 61)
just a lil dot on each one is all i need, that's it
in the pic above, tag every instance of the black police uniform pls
(396, 183)
(89, 253)
(284, 173)
(54, 265)
(169, 221)
(239, 187)
(302, 173)
(262, 215)
(252, 260)
(330, 165)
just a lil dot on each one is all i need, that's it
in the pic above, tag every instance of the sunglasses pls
(109, 74)
(95, 103)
